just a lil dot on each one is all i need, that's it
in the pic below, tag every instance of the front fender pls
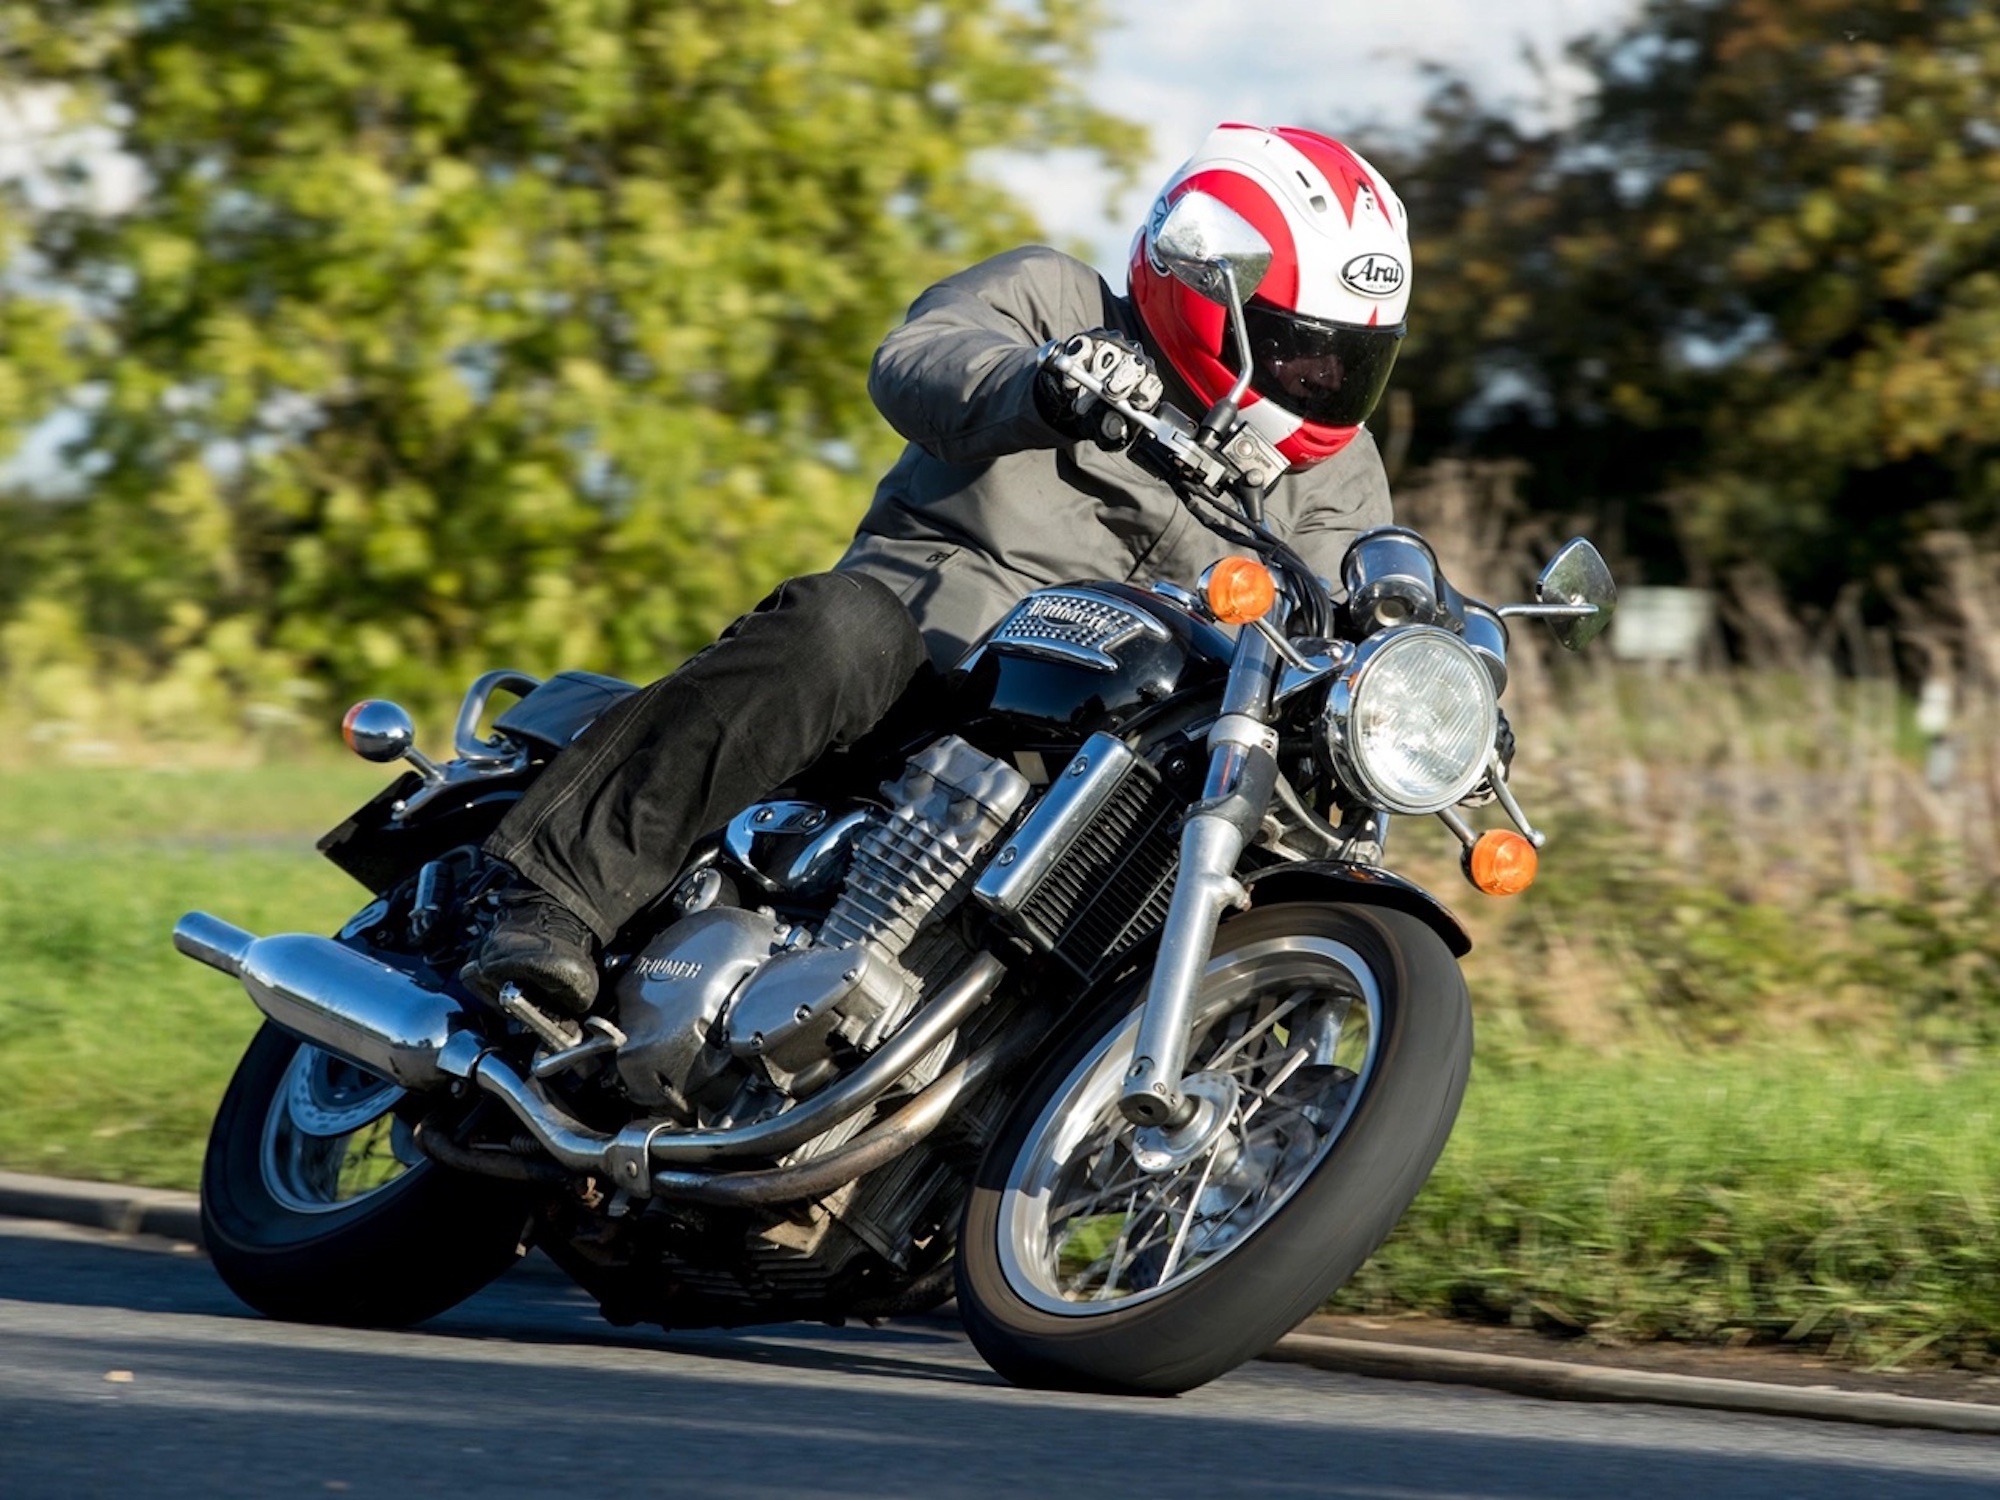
(1338, 883)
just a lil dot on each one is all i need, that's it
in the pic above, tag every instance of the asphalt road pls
(126, 1369)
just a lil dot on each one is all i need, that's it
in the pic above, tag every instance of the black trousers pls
(607, 824)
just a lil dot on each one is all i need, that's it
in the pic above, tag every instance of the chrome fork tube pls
(1242, 772)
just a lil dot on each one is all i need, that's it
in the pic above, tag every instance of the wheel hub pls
(1160, 1148)
(327, 1096)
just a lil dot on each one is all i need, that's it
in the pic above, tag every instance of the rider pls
(1013, 480)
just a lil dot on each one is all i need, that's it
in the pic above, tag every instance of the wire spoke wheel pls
(316, 1204)
(1099, 1215)
(1328, 1052)
(331, 1137)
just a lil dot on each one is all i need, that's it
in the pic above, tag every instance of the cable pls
(1260, 538)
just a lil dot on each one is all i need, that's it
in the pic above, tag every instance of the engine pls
(731, 1012)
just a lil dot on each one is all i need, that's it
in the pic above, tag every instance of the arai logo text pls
(1373, 275)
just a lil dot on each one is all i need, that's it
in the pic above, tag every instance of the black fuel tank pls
(1070, 661)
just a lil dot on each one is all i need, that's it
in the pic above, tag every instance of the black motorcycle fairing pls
(1337, 882)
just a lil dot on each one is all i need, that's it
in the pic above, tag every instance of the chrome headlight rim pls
(1350, 692)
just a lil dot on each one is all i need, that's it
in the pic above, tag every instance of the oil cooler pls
(1087, 876)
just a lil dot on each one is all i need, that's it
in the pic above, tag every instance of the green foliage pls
(1756, 275)
(1934, 950)
(454, 330)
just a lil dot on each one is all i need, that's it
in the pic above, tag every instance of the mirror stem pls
(1223, 413)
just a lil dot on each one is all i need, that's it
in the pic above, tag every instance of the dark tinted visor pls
(1330, 373)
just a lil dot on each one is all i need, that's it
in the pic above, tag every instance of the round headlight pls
(1411, 723)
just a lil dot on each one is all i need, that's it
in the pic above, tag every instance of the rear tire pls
(1064, 1281)
(316, 1209)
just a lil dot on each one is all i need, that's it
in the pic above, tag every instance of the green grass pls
(1673, 1188)
(68, 806)
(1845, 1202)
(114, 1049)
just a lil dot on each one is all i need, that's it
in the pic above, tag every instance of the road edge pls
(165, 1212)
(177, 1215)
(1558, 1380)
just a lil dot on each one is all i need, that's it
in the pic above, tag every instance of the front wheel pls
(1329, 1052)
(317, 1208)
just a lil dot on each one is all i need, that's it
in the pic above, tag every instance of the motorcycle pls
(1080, 991)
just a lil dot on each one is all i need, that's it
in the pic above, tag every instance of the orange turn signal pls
(1240, 589)
(1501, 863)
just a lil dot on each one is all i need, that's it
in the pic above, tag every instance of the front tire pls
(316, 1208)
(1330, 1049)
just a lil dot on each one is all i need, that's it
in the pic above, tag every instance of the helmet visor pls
(1329, 373)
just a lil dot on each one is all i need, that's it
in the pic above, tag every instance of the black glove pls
(1503, 741)
(1123, 369)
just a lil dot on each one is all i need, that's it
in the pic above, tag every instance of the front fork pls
(1242, 772)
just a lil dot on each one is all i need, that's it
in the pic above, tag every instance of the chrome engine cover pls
(794, 848)
(729, 1010)
(787, 1016)
(671, 996)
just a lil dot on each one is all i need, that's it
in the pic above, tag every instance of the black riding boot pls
(542, 948)
(606, 826)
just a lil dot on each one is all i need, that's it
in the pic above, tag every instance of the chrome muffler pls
(376, 1017)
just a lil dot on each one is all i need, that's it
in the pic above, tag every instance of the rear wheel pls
(1329, 1052)
(317, 1207)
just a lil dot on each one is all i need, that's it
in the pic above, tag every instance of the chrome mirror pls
(1209, 246)
(378, 730)
(1206, 244)
(1577, 593)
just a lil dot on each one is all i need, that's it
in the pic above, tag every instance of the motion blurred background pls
(356, 349)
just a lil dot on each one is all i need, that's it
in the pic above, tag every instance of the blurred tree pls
(1749, 298)
(453, 330)
(38, 364)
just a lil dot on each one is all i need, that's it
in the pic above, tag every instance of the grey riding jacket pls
(989, 503)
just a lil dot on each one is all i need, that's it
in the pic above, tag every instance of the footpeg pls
(557, 1033)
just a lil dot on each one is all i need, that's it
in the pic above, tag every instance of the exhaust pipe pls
(376, 1017)
(380, 1019)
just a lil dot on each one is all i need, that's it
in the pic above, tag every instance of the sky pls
(1184, 66)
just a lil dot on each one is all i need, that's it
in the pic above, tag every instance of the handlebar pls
(1223, 461)
(1235, 461)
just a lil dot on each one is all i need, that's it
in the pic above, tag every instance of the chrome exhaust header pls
(376, 1017)
(628, 1158)
(381, 1019)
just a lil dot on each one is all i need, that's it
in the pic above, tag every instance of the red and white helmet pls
(1327, 319)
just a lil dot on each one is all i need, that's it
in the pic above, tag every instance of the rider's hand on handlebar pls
(1120, 366)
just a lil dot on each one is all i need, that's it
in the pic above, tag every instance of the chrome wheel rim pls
(331, 1140)
(1098, 1216)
